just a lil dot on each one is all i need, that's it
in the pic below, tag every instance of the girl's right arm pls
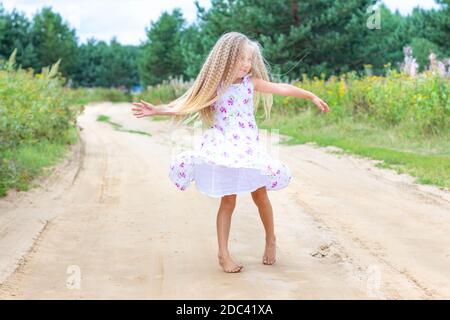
(146, 109)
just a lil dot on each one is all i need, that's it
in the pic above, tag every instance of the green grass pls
(118, 127)
(29, 161)
(426, 158)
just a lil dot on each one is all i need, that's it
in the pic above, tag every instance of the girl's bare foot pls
(269, 256)
(228, 264)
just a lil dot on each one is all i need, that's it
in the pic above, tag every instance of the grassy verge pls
(427, 159)
(38, 121)
(31, 160)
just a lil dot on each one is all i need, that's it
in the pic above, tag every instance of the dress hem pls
(228, 194)
(245, 165)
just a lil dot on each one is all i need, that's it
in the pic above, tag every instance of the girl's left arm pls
(286, 89)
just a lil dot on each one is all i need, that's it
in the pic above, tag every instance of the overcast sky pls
(127, 19)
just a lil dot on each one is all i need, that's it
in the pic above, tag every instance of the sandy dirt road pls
(108, 224)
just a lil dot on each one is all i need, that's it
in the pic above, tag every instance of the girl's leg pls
(226, 209)
(262, 201)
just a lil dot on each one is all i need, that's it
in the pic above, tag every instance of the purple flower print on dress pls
(238, 114)
(182, 165)
(218, 127)
(274, 184)
(224, 118)
(249, 90)
(235, 136)
(223, 110)
(245, 101)
(182, 174)
(230, 101)
(241, 124)
(278, 171)
(250, 124)
(249, 151)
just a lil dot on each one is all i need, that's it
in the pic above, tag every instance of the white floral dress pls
(229, 158)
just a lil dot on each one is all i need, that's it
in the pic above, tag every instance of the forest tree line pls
(313, 37)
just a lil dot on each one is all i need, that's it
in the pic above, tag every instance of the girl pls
(230, 160)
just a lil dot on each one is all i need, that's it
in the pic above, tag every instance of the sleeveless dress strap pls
(246, 78)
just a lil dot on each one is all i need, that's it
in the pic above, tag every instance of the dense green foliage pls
(161, 56)
(313, 37)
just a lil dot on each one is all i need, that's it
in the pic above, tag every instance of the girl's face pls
(245, 62)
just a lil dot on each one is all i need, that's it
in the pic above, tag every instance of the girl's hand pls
(320, 104)
(144, 109)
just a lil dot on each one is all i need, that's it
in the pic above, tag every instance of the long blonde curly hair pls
(220, 67)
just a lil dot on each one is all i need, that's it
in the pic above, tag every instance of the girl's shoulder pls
(248, 79)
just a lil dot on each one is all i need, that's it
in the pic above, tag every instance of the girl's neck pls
(239, 80)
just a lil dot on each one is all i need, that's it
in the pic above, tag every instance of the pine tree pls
(432, 29)
(308, 36)
(54, 40)
(161, 56)
(15, 33)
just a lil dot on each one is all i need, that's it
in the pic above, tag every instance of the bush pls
(420, 103)
(35, 110)
(83, 96)
(33, 107)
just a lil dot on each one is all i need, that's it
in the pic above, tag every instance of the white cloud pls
(406, 6)
(104, 19)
